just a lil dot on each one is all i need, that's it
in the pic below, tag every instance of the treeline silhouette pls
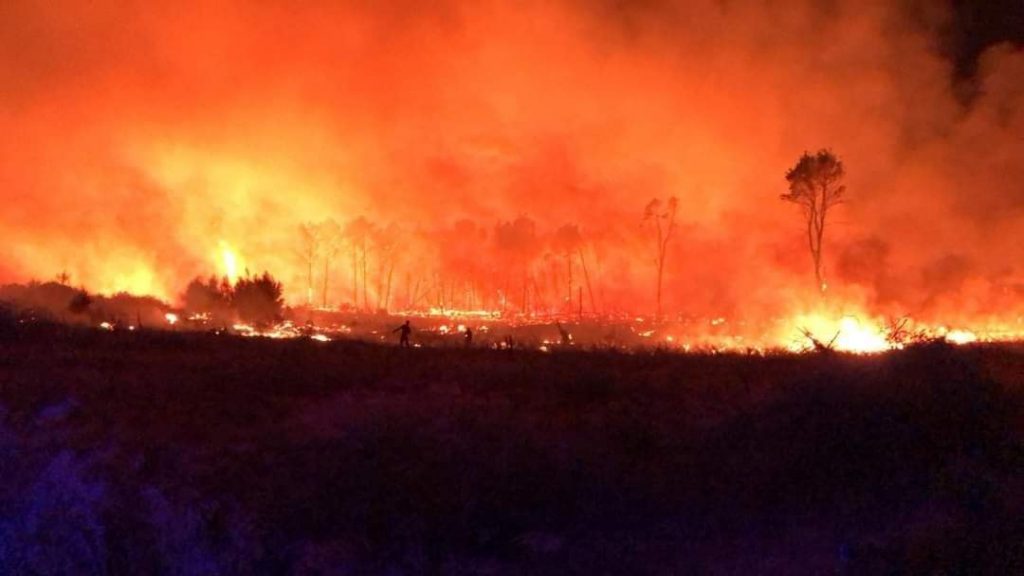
(255, 299)
(512, 266)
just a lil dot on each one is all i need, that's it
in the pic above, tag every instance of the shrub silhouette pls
(212, 297)
(257, 299)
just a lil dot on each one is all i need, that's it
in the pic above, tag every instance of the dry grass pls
(195, 454)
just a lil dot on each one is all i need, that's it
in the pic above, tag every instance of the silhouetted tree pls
(663, 216)
(212, 297)
(566, 242)
(357, 232)
(330, 242)
(309, 251)
(517, 241)
(387, 248)
(257, 299)
(815, 184)
(462, 259)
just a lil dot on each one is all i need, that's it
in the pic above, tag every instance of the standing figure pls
(403, 337)
(564, 334)
(468, 336)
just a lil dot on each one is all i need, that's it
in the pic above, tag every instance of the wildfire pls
(228, 260)
(857, 337)
(456, 313)
(850, 331)
(960, 336)
(848, 334)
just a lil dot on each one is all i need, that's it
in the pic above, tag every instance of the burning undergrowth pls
(253, 307)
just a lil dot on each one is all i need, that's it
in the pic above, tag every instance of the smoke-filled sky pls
(141, 139)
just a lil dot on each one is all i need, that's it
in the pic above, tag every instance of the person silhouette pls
(564, 334)
(468, 336)
(403, 338)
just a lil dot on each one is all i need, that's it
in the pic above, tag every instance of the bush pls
(257, 299)
(212, 297)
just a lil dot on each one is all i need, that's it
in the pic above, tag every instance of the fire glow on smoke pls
(500, 156)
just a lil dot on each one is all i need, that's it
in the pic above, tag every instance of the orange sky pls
(140, 139)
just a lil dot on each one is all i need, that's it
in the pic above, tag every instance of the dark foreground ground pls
(129, 453)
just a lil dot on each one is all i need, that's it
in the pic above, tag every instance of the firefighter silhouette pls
(403, 337)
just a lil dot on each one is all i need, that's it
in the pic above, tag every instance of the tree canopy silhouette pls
(212, 297)
(257, 299)
(815, 184)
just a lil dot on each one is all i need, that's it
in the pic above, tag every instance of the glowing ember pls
(857, 337)
(171, 318)
(847, 334)
(229, 262)
(961, 337)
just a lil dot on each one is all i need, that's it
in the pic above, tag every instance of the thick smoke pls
(140, 139)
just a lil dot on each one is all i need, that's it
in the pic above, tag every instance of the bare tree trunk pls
(327, 272)
(568, 261)
(366, 301)
(355, 277)
(526, 288)
(816, 211)
(661, 271)
(387, 293)
(379, 282)
(822, 210)
(538, 301)
(814, 250)
(309, 281)
(586, 279)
